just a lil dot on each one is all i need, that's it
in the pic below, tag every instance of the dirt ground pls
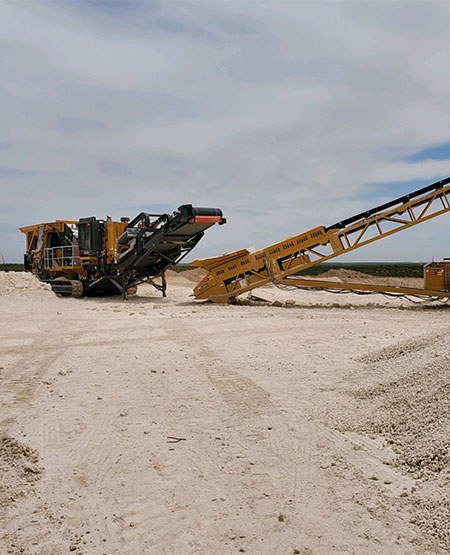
(318, 425)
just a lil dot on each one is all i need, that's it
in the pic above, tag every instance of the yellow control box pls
(437, 276)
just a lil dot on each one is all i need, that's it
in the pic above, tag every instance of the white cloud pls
(284, 114)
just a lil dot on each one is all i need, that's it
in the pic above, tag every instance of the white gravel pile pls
(23, 284)
(409, 406)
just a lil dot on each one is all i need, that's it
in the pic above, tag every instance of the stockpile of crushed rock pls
(187, 277)
(352, 276)
(19, 469)
(410, 408)
(22, 284)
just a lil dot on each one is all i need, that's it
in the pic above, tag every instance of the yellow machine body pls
(65, 260)
(100, 257)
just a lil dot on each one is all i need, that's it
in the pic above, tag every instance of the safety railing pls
(57, 257)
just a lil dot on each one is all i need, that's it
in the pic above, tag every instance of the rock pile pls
(410, 408)
(22, 284)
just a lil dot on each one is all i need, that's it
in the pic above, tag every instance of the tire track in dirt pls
(146, 519)
(405, 348)
(370, 458)
(131, 529)
(244, 397)
(24, 376)
(287, 463)
(91, 454)
(34, 370)
(31, 376)
(300, 456)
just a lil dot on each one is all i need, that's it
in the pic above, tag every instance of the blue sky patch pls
(395, 189)
(439, 152)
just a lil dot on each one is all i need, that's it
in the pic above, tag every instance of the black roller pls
(207, 212)
(189, 211)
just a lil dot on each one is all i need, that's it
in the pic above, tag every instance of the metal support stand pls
(163, 283)
(126, 280)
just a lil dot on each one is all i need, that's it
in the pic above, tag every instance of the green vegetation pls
(394, 269)
(11, 267)
(386, 269)
(182, 267)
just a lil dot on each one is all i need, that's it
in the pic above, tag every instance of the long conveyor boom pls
(241, 271)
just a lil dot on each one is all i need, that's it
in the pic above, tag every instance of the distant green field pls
(182, 267)
(11, 267)
(393, 269)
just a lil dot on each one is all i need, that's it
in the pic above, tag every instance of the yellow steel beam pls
(242, 271)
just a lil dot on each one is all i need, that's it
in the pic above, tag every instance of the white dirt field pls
(316, 426)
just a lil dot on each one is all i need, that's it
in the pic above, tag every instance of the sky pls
(285, 114)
